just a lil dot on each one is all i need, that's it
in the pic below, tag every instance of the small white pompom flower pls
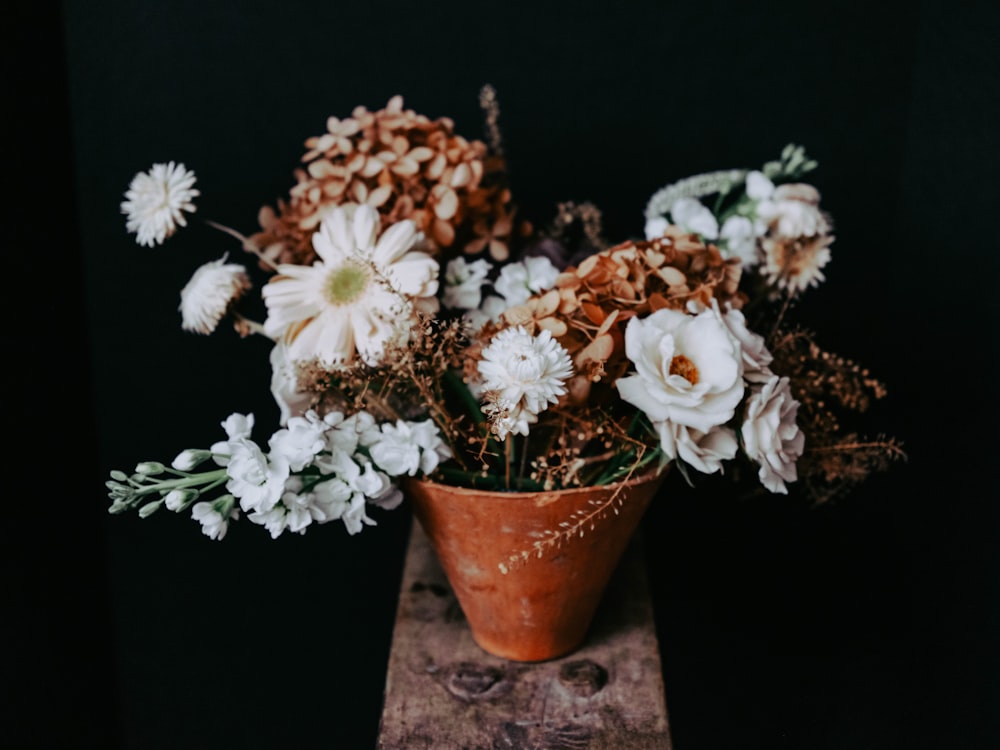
(206, 298)
(526, 373)
(156, 200)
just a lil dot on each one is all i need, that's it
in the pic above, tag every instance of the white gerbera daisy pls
(525, 374)
(360, 294)
(156, 200)
(209, 293)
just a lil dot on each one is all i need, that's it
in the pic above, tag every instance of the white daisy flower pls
(358, 297)
(206, 298)
(156, 200)
(526, 373)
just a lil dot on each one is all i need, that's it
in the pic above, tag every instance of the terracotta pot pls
(542, 607)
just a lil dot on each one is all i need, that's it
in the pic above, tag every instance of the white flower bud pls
(150, 468)
(190, 458)
(150, 508)
(178, 500)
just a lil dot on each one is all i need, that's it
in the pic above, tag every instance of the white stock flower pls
(463, 283)
(354, 517)
(206, 298)
(254, 479)
(237, 427)
(689, 369)
(156, 200)
(408, 448)
(691, 216)
(523, 279)
(528, 372)
(360, 295)
(214, 517)
(299, 442)
(771, 436)
(291, 401)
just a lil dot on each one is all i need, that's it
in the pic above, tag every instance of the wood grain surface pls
(442, 691)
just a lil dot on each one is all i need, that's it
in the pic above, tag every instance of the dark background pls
(871, 623)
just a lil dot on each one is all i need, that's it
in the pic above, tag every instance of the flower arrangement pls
(421, 329)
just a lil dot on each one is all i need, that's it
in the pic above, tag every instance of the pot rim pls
(651, 475)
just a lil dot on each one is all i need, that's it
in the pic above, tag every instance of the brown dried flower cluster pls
(832, 390)
(591, 303)
(408, 167)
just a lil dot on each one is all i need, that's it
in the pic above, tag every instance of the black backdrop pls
(869, 624)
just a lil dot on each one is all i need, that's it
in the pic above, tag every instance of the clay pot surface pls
(542, 607)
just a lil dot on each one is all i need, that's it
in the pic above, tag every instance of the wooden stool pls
(442, 691)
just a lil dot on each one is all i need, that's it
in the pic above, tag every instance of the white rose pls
(756, 356)
(771, 436)
(704, 452)
(689, 369)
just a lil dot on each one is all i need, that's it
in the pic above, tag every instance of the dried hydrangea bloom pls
(591, 303)
(406, 166)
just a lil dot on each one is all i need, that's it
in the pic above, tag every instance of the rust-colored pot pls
(542, 607)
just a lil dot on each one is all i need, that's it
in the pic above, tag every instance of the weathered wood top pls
(442, 691)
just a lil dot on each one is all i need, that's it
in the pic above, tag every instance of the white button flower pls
(771, 436)
(525, 374)
(206, 298)
(156, 200)
(358, 297)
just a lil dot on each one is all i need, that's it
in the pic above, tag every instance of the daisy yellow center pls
(681, 365)
(346, 283)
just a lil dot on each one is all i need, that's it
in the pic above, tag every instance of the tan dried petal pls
(445, 201)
